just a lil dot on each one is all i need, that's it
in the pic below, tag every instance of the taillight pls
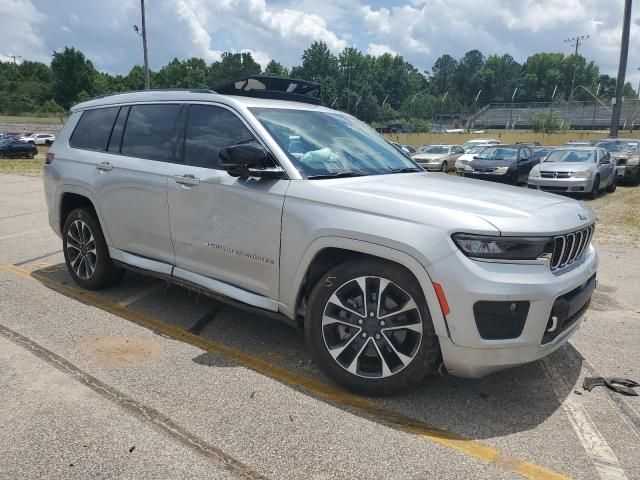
(49, 158)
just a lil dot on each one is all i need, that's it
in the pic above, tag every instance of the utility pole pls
(622, 68)
(143, 34)
(575, 42)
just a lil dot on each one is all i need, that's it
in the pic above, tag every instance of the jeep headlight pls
(501, 170)
(468, 168)
(503, 248)
(582, 174)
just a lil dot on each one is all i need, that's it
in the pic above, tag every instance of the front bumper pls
(432, 166)
(493, 177)
(627, 172)
(561, 185)
(467, 282)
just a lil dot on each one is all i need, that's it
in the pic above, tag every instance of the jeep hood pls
(448, 202)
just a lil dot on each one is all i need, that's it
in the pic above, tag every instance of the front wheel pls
(444, 167)
(86, 253)
(595, 189)
(368, 328)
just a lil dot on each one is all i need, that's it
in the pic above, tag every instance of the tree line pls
(374, 88)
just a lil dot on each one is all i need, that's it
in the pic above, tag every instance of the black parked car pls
(502, 163)
(17, 149)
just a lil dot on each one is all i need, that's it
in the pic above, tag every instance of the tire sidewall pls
(426, 358)
(103, 274)
(444, 167)
(595, 188)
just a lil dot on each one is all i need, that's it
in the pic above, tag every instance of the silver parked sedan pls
(575, 170)
(438, 157)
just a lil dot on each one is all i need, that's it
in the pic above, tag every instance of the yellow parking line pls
(469, 447)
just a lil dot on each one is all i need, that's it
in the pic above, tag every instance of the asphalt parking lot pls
(148, 380)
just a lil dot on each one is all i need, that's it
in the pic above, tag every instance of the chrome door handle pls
(189, 180)
(104, 166)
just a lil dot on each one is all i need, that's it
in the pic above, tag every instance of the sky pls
(419, 30)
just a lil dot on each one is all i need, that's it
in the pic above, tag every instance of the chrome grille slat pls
(569, 247)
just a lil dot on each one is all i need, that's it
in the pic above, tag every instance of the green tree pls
(232, 66)
(72, 73)
(276, 69)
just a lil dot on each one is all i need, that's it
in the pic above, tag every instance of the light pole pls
(511, 109)
(442, 106)
(411, 104)
(622, 68)
(382, 109)
(575, 42)
(143, 34)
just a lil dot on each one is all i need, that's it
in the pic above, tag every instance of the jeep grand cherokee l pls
(390, 270)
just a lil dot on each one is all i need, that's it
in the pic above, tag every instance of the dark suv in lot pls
(502, 163)
(17, 149)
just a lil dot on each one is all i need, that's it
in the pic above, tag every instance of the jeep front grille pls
(570, 247)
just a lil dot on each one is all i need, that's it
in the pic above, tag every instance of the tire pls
(359, 365)
(636, 180)
(30, 155)
(48, 143)
(595, 189)
(444, 168)
(82, 237)
(513, 178)
(614, 183)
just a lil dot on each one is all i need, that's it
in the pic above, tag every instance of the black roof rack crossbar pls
(264, 86)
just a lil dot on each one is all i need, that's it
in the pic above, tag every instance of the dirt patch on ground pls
(119, 352)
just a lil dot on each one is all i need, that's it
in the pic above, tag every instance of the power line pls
(575, 42)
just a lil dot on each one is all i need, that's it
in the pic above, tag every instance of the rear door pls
(131, 179)
(224, 228)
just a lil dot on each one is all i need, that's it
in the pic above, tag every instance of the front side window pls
(150, 132)
(498, 153)
(571, 156)
(93, 129)
(328, 144)
(209, 130)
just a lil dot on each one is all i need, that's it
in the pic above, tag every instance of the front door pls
(224, 228)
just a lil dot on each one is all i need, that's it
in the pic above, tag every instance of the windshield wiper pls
(337, 175)
(404, 170)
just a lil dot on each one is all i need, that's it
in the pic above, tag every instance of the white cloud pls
(377, 49)
(20, 23)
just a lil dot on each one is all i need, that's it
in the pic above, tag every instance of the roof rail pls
(265, 86)
(192, 90)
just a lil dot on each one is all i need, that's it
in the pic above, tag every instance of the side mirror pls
(249, 160)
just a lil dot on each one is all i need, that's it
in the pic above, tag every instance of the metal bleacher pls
(578, 115)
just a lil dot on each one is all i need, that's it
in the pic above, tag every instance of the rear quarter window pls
(93, 129)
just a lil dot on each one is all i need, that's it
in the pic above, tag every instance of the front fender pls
(290, 292)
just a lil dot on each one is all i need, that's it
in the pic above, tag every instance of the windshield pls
(476, 149)
(324, 144)
(572, 156)
(435, 149)
(498, 153)
(626, 147)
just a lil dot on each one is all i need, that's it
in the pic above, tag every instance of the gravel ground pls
(86, 376)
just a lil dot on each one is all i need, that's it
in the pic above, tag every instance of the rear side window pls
(150, 132)
(94, 128)
(210, 129)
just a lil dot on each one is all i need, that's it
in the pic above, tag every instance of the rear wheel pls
(595, 189)
(86, 252)
(444, 167)
(369, 329)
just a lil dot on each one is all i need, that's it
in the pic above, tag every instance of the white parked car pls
(39, 138)
(480, 141)
(468, 155)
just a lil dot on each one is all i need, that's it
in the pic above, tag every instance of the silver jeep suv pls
(307, 213)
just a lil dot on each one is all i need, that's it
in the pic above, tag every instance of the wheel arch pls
(326, 252)
(73, 197)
